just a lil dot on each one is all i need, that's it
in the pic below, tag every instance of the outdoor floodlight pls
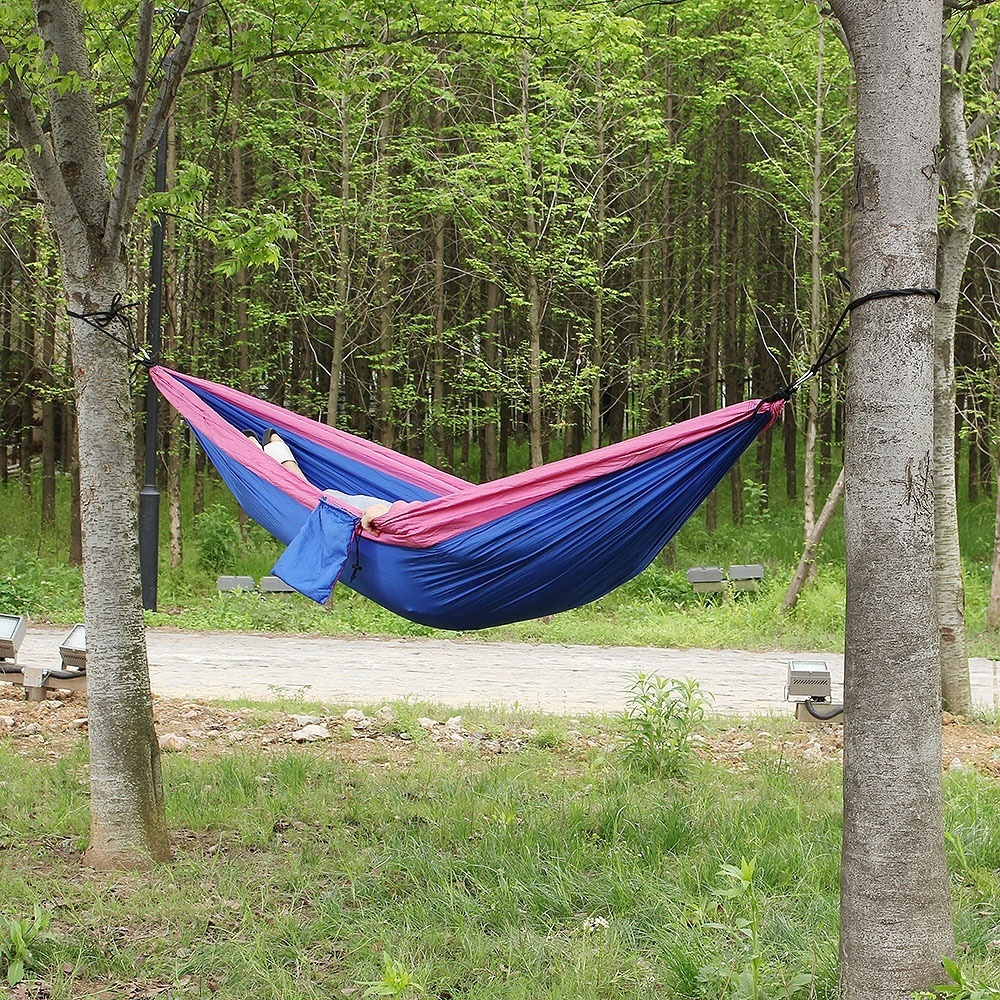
(810, 687)
(73, 650)
(706, 579)
(808, 680)
(12, 629)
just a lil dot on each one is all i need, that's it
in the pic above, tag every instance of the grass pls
(548, 870)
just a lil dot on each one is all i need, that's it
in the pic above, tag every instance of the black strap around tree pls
(102, 319)
(824, 358)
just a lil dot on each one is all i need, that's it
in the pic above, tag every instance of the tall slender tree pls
(895, 908)
(90, 216)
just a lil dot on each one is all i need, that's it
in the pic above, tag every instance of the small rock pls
(79, 723)
(455, 722)
(8, 721)
(385, 713)
(813, 753)
(423, 721)
(355, 715)
(52, 704)
(574, 734)
(306, 720)
(192, 714)
(947, 719)
(307, 734)
(957, 764)
(172, 743)
(697, 738)
(456, 736)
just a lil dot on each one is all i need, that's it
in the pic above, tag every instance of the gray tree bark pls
(896, 921)
(90, 216)
(963, 179)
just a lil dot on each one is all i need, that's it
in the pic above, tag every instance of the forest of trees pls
(455, 228)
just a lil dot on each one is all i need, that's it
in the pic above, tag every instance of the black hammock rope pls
(102, 320)
(824, 357)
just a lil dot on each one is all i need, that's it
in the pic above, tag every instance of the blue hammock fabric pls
(453, 554)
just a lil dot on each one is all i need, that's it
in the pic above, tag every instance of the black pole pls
(149, 497)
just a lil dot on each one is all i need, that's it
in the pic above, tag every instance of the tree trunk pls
(127, 825)
(815, 306)
(343, 267)
(534, 292)
(714, 301)
(172, 313)
(600, 197)
(896, 921)
(963, 182)
(806, 568)
(490, 466)
(48, 324)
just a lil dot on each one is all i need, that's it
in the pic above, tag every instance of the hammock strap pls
(824, 357)
(102, 320)
(356, 565)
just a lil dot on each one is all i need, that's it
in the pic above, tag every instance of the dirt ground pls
(57, 726)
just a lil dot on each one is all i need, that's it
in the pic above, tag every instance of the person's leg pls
(280, 452)
(253, 439)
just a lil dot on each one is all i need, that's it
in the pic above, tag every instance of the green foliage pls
(660, 715)
(30, 585)
(217, 537)
(23, 943)
(396, 981)
(738, 972)
(959, 986)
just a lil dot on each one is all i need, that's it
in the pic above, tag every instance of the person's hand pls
(369, 514)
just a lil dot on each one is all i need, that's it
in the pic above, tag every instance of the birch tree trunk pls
(534, 292)
(806, 569)
(90, 216)
(963, 179)
(815, 306)
(333, 404)
(896, 921)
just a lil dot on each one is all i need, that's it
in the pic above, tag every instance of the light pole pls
(149, 496)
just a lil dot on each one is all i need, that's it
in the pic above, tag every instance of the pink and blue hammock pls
(453, 554)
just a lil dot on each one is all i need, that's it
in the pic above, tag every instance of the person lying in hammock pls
(275, 447)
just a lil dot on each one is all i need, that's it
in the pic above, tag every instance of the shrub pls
(217, 537)
(660, 715)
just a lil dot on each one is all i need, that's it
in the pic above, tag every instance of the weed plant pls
(409, 870)
(660, 715)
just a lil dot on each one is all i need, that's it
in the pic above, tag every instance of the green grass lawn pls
(526, 861)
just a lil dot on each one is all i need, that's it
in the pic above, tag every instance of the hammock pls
(453, 554)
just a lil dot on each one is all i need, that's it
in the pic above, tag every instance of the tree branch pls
(76, 137)
(173, 71)
(35, 143)
(125, 176)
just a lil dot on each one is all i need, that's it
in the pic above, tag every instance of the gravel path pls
(352, 670)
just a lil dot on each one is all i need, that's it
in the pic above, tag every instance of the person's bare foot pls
(369, 514)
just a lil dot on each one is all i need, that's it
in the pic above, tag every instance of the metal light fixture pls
(73, 650)
(809, 686)
(12, 629)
